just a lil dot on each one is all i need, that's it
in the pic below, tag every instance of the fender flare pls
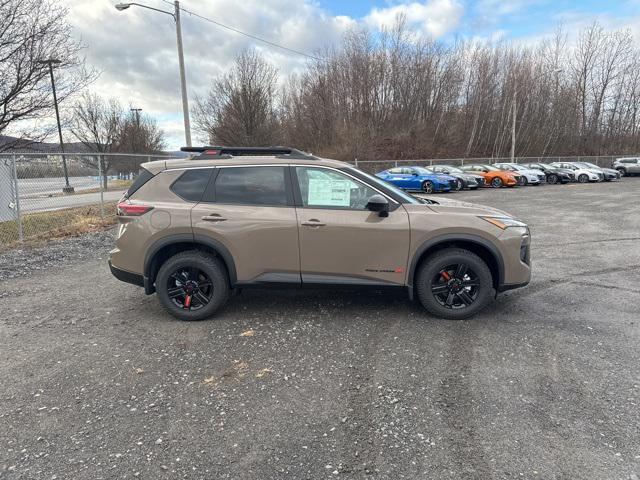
(196, 240)
(453, 237)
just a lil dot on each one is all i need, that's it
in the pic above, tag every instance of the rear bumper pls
(127, 277)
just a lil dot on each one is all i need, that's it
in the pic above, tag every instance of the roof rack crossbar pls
(238, 151)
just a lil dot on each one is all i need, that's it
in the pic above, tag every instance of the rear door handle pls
(214, 217)
(313, 223)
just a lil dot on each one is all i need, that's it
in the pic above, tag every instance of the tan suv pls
(193, 229)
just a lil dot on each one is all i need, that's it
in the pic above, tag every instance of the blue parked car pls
(418, 179)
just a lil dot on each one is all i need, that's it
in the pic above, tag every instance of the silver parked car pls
(627, 166)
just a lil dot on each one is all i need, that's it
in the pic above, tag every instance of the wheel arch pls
(476, 244)
(166, 247)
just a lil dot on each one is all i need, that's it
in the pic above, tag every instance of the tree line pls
(392, 96)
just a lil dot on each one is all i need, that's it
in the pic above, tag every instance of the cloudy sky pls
(136, 49)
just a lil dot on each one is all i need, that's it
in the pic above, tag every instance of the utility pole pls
(50, 62)
(183, 77)
(513, 126)
(136, 112)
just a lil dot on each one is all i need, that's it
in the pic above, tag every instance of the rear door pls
(341, 242)
(250, 210)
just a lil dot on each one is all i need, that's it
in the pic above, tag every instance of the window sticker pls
(334, 193)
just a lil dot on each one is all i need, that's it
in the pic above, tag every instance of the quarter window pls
(251, 186)
(323, 188)
(191, 184)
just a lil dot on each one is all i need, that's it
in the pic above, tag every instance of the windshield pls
(546, 165)
(491, 168)
(378, 182)
(423, 171)
(589, 165)
(452, 169)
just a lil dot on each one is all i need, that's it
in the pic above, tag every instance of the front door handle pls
(313, 223)
(214, 217)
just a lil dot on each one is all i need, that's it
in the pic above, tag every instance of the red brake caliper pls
(187, 301)
(446, 276)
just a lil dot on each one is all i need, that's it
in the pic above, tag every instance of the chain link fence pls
(373, 166)
(44, 195)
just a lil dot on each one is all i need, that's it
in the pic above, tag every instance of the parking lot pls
(97, 381)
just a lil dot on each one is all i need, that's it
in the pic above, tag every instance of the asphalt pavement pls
(97, 381)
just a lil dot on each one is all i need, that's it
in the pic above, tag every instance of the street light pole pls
(183, 76)
(50, 62)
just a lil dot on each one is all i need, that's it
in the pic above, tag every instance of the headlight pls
(505, 222)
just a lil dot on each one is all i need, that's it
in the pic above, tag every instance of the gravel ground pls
(96, 381)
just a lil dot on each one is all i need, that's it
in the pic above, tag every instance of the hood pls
(445, 205)
(443, 177)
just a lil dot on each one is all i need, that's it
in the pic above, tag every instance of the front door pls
(342, 242)
(249, 209)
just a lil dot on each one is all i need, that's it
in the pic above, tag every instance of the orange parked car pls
(494, 177)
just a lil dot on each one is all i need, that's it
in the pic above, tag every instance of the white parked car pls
(583, 175)
(529, 175)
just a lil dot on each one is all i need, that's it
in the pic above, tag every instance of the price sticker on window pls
(331, 193)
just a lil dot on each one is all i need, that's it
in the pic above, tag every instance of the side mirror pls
(377, 203)
(415, 174)
(485, 170)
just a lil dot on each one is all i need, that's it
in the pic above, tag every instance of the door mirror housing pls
(415, 174)
(377, 203)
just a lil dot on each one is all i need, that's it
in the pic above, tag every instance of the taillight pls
(132, 210)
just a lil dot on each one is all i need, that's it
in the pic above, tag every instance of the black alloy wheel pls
(454, 284)
(553, 179)
(192, 285)
(583, 178)
(622, 171)
(496, 182)
(427, 186)
(459, 184)
(189, 288)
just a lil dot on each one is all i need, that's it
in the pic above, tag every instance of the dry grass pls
(69, 222)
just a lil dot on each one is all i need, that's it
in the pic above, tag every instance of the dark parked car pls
(554, 174)
(464, 179)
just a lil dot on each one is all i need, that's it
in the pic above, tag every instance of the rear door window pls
(266, 186)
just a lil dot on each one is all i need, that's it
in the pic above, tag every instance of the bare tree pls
(32, 31)
(139, 134)
(240, 107)
(97, 123)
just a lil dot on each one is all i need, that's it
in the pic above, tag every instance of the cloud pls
(136, 49)
(433, 17)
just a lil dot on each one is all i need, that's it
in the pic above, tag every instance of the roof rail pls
(211, 151)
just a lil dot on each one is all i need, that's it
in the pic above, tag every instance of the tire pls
(459, 185)
(496, 182)
(623, 172)
(198, 274)
(583, 178)
(427, 186)
(450, 304)
(525, 181)
(552, 179)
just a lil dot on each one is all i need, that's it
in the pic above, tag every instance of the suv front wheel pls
(192, 285)
(454, 284)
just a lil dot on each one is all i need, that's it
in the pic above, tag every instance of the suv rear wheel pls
(622, 171)
(454, 284)
(192, 285)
